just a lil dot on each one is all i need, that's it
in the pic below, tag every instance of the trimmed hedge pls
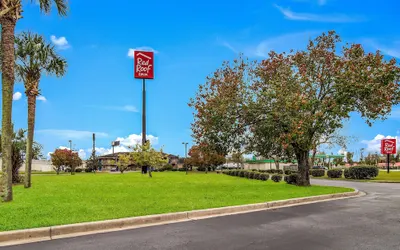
(257, 176)
(264, 177)
(276, 178)
(334, 173)
(361, 172)
(251, 175)
(317, 172)
(291, 179)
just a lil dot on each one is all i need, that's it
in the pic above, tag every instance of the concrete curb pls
(72, 230)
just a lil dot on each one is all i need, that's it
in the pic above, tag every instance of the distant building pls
(108, 161)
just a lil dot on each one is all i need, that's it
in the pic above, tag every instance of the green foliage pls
(291, 179)
(146, 155)
(66, 158)
(288, 172)
(349, 157)
(361, 172)
(79, 170)
(276, 178)
(256, 176)
(251, 175)
(335, 173)
(18, 150)
(242, 102)
(317, 172)
(264, 177)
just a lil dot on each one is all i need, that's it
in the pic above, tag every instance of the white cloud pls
(144, 48)
(125, 143)
(41, 98)
(70, 134)
(374, 145)
(281, 43)
(328, 18)
(61, 42)
(227, 45)
(17, 96)
(390, 48)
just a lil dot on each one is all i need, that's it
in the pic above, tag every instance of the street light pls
(185, 143)
(70, 145)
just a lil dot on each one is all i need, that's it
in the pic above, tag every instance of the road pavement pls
(368, 222)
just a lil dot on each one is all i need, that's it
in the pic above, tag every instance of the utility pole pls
(70, 145)
(185, 143)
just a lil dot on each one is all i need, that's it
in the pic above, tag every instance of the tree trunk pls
(304, 167)
(29, 142)
(313, 157)
(150, 175)
(276, 160)
(8, 60)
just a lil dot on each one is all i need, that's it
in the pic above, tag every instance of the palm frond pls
(46, 5)
(34, 56)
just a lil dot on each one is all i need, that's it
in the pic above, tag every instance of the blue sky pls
(192, 39)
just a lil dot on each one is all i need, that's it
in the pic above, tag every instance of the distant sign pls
(115, 143)
(388, 146)
(144, 64)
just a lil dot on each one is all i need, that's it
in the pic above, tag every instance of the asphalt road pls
(368, 222)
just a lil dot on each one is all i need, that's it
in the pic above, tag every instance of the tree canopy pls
(290, 101)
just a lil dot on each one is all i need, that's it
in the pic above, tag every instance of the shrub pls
(246, 174)
(251, 175)
(361, 172)
(291, 179)
(289, 172)
(257, 175)
(334, 173)
(182, 169)
(276, 178)
(254, 170)
(174, 170)
(317, 172)
(264, 177)
(241, 173)
(168, 167)
(346, 173)
(78, 170)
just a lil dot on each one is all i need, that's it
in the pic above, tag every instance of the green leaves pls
(34, 56)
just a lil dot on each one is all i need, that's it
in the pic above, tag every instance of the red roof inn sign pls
(388, 146)
(144, 64)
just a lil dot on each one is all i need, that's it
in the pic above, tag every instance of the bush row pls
(317, 172)
(248, 174)
(356, 173)
(361, 172)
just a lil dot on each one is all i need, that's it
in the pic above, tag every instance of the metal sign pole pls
(144, 113)
(388, 163)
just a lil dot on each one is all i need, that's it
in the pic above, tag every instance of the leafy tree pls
(296, 98)
(93, 164)
(238, 159)
(338, 161)
(19, 153)
(124, 161)
(10, 13)
(349, 158)
(146, 155)
(35, 57)
(66, 158)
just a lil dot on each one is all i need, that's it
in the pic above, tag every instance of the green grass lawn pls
(65, 199)
(393, 176)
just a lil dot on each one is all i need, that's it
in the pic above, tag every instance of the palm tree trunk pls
(29, 142)
(7, 47)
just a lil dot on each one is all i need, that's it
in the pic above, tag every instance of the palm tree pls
(10, 13)
(33, 58)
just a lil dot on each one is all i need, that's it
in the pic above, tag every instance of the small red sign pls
(388, 146)
(144, 64)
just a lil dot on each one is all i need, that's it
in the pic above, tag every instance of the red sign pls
(144, 64)
(388, 146)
